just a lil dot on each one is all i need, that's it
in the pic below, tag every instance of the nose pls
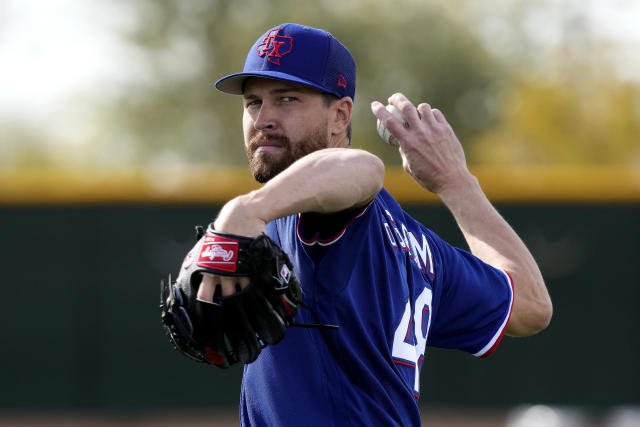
(266, 118)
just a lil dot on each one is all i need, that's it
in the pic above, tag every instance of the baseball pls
(383, 132)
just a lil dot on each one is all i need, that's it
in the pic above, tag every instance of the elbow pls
(375, 168)
(543, 308)
(377, 172)
(530, 317)
(547, 315)
(369, 167)
(542, 318)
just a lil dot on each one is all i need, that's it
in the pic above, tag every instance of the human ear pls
(341, 115)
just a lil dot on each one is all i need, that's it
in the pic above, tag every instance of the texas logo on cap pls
(275, 46)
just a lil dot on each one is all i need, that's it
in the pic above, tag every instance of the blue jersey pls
(393, 287)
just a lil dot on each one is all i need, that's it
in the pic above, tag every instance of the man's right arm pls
(433, 156)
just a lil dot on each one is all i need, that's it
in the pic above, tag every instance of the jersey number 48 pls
(410, 337)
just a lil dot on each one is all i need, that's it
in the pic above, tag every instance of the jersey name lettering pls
(419, 252)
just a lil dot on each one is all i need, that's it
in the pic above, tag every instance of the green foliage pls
(588, 121)
(179, 115)
(512, 95)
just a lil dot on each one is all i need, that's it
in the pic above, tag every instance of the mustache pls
(260, 138)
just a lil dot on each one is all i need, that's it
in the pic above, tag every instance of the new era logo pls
(342, 82)
(275, 46)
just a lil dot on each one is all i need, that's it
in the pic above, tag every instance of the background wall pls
(82, 328)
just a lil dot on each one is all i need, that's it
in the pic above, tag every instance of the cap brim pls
(234, 83)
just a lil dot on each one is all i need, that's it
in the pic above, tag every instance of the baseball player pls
(390, 285)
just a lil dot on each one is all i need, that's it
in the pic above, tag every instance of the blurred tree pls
(177, 116)
(514, 80)
(593, 122)
(21, 145)
(564, 103)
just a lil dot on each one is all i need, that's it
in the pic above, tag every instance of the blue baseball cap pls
(298, 54)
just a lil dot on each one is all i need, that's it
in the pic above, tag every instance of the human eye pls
(252, 103)
(288, 99)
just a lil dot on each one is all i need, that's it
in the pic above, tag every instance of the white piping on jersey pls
(487, 349)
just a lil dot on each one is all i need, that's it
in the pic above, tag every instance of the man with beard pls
(390, 284)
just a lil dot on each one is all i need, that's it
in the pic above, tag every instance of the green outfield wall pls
(81, 326)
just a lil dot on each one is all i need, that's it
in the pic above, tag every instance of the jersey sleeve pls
(475, 301)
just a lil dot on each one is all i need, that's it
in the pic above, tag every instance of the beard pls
(266, 165)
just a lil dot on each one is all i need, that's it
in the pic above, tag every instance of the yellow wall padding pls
(216, 185)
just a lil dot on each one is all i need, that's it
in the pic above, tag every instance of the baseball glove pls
(233, 328)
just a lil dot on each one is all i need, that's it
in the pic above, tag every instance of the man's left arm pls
(325, 181)
(434, 157)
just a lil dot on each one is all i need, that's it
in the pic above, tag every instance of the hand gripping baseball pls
(431, 152)
(236, 327)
